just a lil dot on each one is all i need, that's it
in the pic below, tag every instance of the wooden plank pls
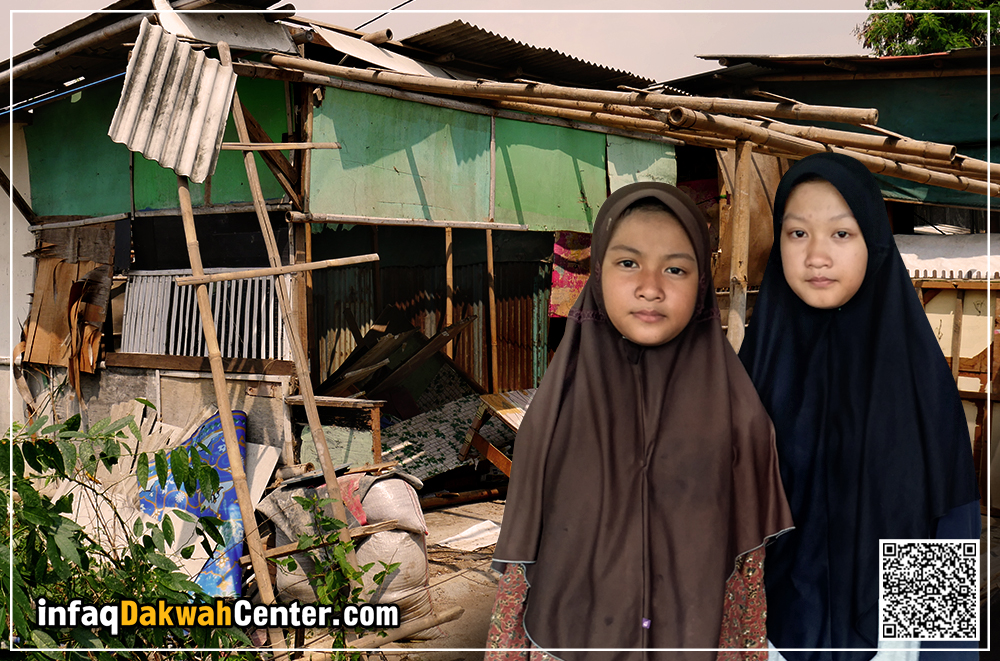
(482, 415)
(336, 402)
(275, 160)
(243, 498)
(449, 286)
(491, 290)
(956, 332)
(367, 468)
(295, 217)
(300, 358)
(353, 377)
(376, 427)
(417, 359)
(199, 363)
(278, 146)
(736, 325)
(956, 284)
(491, 453)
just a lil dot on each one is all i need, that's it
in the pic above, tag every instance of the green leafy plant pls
(908, 32)
(336, 582)
(54, 558)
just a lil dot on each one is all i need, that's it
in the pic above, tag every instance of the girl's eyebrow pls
(635, 251)
(839, 216)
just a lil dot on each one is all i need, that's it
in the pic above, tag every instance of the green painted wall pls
(631, 161)
(74, 166)
(399, 159)
(156, 187)
(549, 177)
(949, 110)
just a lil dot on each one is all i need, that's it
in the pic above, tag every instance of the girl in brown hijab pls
(645, 465)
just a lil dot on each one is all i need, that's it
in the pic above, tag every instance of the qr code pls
(928, 589)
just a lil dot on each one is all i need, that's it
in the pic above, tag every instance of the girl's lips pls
(820, 282)
(649, 316)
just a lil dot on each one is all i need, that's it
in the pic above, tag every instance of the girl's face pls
(649, 277)
(822, 249)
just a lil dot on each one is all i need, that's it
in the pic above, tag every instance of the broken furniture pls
(510, 408)
(374, 408)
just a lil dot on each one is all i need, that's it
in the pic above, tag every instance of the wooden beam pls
(278, 146)
(449, 285)
(956, 332)
(336, 402)
(275, 270)
(19, 202)
(276, 162)
(740, 232)
(199, 363)
(300, 359)
(295, 217)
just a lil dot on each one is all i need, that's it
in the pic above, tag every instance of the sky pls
(656, 39)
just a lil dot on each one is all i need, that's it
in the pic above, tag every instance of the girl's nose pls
(650, 286)
(817, 254)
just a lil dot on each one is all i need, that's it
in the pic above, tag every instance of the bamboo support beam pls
(686, 118)
(299, 356)
(295, 217)
(449, 286)
(962, 166)
(278, 146)
(921, 148)
(279, 270)
(740, 235)
(254, 544)
(485, 89)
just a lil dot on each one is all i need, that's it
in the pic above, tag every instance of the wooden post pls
(254, 543)
(449, 287)
(298, 352)
(490, 270)
(305, 179)
(740, 232)
(377, 275)
(956, 332)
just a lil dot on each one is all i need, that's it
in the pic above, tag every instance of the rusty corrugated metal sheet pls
(475, 45)
(174, 104)
(333, 290)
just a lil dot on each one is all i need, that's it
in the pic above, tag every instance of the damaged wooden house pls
(366, 246)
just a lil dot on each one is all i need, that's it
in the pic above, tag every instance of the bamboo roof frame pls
(708, 122)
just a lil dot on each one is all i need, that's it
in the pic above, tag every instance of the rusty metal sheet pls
(174, 104)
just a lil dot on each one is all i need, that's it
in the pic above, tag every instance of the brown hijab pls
(639, 474)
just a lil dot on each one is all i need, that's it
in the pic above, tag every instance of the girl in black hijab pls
(645, 465)
(872, 439)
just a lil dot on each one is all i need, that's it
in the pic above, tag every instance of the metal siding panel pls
(631, 160)
(399, 159)
(549, 177)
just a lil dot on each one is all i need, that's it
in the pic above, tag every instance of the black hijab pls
(872, 439)
(639, 473)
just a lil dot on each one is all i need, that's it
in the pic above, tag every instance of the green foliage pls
(54, 558)
(911, 33)
(336, 582)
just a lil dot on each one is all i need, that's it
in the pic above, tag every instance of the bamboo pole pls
(740, 233)
(278, 146)
(733, 127)
(449, 286)
(921, 148)
(254, 543)
(298, 353)
(273, 73)
(490, 270)
(296, 217)
(279, 270)
(962, 166)
(481, 89)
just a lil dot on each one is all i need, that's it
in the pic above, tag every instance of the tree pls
(908, 32)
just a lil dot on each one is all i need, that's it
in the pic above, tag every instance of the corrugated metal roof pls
(174, 104)
(475, 47)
